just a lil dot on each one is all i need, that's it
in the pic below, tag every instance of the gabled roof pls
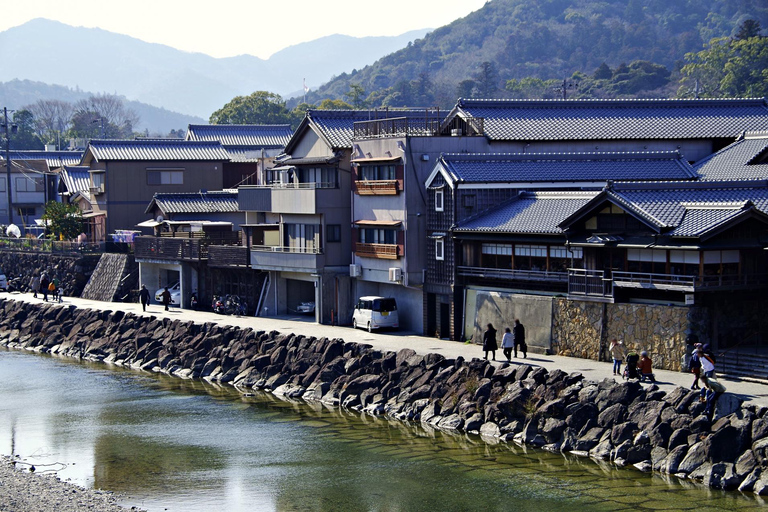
(54, 159)
(154, 150)
(243, 135)
(526, 120)
(529, 213)
(562, 167)
(336, 127)
(745, 159)
(74, 179)
(685, 209)
(219, 201)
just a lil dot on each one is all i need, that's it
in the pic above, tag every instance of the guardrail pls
(512, 274)
(61, 247)
(589, 283)
(283, 248)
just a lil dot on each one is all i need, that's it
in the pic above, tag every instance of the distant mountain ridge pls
(17, 94)
(192, 83)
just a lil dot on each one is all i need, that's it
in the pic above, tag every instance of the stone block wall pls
(72, 271)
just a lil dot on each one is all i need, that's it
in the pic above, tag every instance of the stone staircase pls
(113, 278)
(744, 364)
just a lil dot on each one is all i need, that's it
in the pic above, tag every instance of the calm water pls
(168, 444)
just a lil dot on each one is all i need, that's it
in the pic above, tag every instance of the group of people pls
(513, 339)
(638, 366)
(41, 284)
(144, 297)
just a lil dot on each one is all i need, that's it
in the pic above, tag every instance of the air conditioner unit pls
(395, 274)
(355, 270)
(456, 132)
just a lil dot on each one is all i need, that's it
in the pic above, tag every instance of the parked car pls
(175, 290)
(306, 308)
(375, 312)
(3, 282)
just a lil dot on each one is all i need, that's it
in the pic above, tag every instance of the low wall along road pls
(621, 422)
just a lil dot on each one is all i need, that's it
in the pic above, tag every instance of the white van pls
(375, 312)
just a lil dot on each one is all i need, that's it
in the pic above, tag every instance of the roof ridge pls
(575, 155)
(611, 101)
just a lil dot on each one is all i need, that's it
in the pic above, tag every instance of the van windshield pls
(384, 305)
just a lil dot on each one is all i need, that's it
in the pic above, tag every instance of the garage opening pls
(300, 296)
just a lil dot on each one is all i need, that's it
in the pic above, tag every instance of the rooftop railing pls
(418, 127)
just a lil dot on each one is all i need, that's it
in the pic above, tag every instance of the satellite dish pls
(13, 230)
(159, 218)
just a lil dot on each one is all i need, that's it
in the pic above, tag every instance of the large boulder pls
(612, 415)
(695, 457)
(647, 414)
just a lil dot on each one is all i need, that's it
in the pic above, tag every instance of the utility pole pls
(8, 164)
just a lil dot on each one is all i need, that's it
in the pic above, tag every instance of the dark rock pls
(660, 434)
(623, 432)
(647, 414)
(671, 462)
(552, 409)
(695, 457)
(514, 403)
(588, 394)
(748, 483)
(759, 428)
(590, 439)
(473, 423)
(699, 424)
(553, 430)
(522, 371)
(727, 404)
(725, 445)
(612, 415)
(578, 414)
(723, 476)
(678, 437)
(746, 463)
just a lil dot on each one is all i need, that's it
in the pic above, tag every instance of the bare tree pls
(52, 117)
(118, 120)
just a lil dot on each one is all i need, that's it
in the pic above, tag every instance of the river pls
(168, 444)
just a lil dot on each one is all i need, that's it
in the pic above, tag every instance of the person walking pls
(489, 341)
(44, 287)
(144, 297)
(166, 297)
(35, 285)
(52, 290)
(507, 343)
(694, 366)
(617, 354)
(518, 335)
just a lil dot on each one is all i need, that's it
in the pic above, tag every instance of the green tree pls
(328, 104)
(750, 28)
(260, 107)
(25, 137)
(465, 88)
(356, 95)
(486, 80)
(727, 68)
(603, 72)
(65, 221)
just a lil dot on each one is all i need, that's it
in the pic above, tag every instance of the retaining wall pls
(622, 422)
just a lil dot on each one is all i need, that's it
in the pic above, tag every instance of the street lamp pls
(563, 88)
(13, 129)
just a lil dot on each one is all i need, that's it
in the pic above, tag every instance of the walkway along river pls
(622, 422)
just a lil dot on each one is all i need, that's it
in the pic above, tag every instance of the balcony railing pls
(589, 283)
(285, 248)
(312, 185)
(428, 126)
(380, 251)
(512, 275)
(656, 281)
(227, 256)
(182, 245)
(376, 187)
(58, 247)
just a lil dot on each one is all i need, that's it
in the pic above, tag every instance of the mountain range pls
(195, 84)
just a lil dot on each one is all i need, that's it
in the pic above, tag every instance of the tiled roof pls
(337, 126)
(530, 212)
(76, 178)
(55, 159)
(559, 167)
(616, 119)
(689, 208)
(246, 135)
(220, 201)
(155, 150)
(745, 159)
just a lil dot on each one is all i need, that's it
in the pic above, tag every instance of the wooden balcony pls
(376, 188)
(227, 256)
(379, 251)
(181, 246)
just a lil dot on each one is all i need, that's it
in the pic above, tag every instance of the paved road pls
(667, 380)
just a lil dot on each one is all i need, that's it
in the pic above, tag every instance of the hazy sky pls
(225, 28)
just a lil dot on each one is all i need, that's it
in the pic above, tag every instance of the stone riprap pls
(624, 422)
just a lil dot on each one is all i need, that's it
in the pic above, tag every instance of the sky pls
(226, 28)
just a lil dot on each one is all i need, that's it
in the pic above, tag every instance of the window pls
(438, 200)
(496, 255)
(333, 233)
(2, 185)
(321, 177)
(378, 236)
(27, 212)
(175, 177)
(377, 172)
(29, 184)
(531, 257)
(651, 261)
(561, 259)
(97, 180)
(439, 249)
(302, 237)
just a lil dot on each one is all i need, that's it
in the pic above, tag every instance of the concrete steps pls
(112, 278)
(743, 364)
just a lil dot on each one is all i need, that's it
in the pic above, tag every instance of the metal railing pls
(310, 185)
(285, 248)
(53, 246)
(649, 280)
(511, 274)
(381, 251)
(589, 283)
(428, 126)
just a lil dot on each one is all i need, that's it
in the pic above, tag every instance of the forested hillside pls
(547, 40)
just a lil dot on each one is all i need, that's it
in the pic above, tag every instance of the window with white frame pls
(439, 249)
(530, 257)
(378, 236)
(27, 184)
(438, 200)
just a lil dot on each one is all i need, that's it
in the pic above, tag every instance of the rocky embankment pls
(623, 422)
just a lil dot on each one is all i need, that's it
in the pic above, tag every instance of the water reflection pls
(186, 445)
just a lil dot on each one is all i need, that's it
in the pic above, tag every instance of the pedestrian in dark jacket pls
(144, 297)
(518, 333)
(166, 296)
(44, 282)
(489, 341)
(694, 366)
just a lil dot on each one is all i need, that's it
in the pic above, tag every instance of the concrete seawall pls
(625, 423)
